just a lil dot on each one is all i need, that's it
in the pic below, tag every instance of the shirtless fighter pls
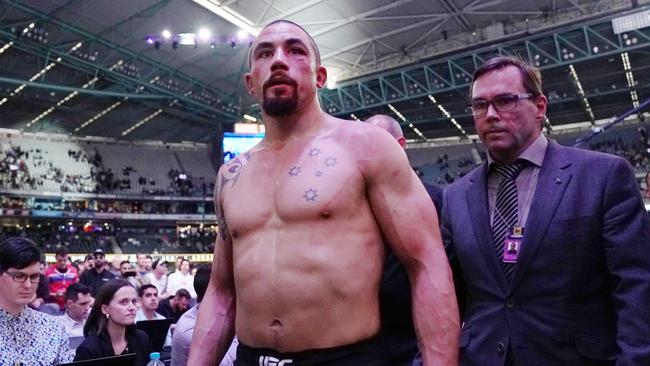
(303, 217)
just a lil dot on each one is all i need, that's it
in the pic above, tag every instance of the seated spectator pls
(182, 279)
(158, 277)
(185, 327)
(88, 263)
(177, 265)
(77, 303)
(141, 264)
(115, 265)
(148, 296)
(176, 306)
(42, 300)
(110, 329)
(148, 262)
(127, 272)
(97, 275)
(60, 275)
(26, 336)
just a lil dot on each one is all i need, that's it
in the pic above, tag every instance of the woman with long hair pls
(110, 329)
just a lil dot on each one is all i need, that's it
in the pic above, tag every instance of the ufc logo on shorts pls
(272, 361)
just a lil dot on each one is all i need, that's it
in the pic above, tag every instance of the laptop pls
(156, 330)
(124, 360)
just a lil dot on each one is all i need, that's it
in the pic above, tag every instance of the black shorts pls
(366, 353)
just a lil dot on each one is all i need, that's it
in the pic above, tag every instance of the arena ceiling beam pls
(87, 91)
(225, 107)
(557, 48)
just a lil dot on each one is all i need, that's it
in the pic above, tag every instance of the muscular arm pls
(409, 222)
(215, 323)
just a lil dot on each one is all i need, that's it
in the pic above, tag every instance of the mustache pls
(278, 79)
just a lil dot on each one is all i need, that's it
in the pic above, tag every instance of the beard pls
(280, 106)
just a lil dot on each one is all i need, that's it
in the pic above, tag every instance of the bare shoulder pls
(230, 171)
(363, 137)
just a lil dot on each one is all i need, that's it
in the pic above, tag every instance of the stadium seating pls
(60, 164)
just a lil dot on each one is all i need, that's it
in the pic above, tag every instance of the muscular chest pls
(279, 187)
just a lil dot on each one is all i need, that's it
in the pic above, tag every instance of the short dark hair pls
(122, 262)
(73, 291)
(61, 252)
(143, 288)
(530, 76)
(183, 293)
(18, 253)
(97, 324)
(201, 280)
(312, 42)
(149, 257)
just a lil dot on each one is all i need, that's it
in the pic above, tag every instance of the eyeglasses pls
(502, 103)
(22, 277)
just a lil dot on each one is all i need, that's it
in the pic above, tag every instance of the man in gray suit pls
(553, 242)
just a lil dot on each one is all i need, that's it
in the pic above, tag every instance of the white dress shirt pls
(73, 328)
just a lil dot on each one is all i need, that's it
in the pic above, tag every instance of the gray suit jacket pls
(580, 294)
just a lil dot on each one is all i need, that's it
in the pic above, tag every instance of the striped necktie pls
(506, 211)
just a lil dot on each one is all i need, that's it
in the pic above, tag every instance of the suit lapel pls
(477, 203)
(553, 179)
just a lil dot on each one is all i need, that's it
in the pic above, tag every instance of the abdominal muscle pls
(308, 285)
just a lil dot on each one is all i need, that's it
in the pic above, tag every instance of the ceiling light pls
(242, 35)
(187, 39)
(448, 115)
(166, 34)
(204, 34)
(141, 122)
(229, 15)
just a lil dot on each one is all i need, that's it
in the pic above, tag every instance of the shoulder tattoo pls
(228, 174)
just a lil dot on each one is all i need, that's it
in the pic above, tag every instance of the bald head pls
(390, 125)
(312, 43)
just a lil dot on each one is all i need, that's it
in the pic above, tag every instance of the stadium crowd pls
(82, 299)
(15, 174)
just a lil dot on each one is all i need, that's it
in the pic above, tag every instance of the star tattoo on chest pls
(294, 171)
(310, 195)
(330, 161)
(314, 152)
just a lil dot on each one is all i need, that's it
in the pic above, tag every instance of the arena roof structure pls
(108, 68)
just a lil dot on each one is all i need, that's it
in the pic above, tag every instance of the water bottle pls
(154, 359)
